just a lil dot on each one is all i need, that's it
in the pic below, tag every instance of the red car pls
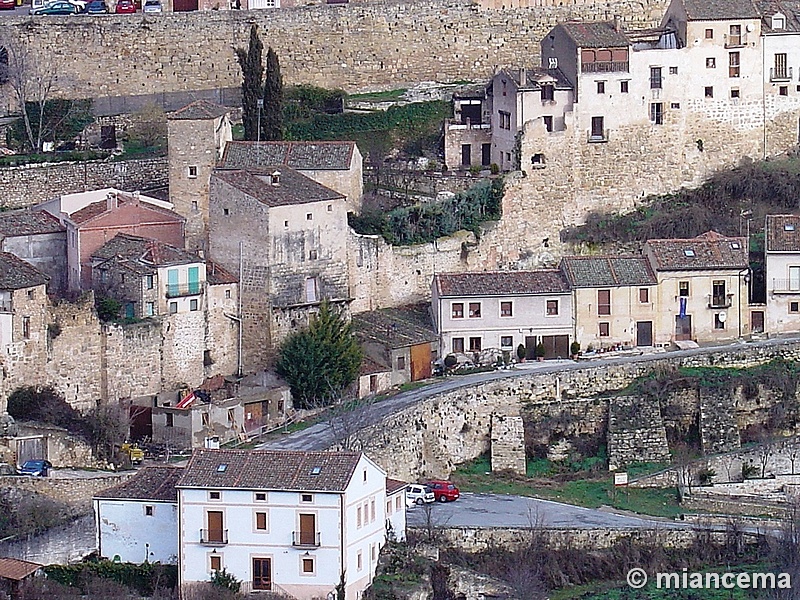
(443, 490)
(7, 4)
(125, 7)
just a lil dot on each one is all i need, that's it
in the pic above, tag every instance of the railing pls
(720, 303)
(214, 537)
(784, 74)
(785, 286)
(735, 41)
(596, 139)
(305, 539)
(175, 290)
(611, 66)
(454, 124)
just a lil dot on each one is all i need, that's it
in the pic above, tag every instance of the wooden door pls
(644, 333)
(262, 574)
(215, 530)
(556, 346)
(308, 529)
(757, 321)
(420, 361)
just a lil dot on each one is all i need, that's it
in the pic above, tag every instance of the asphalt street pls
(499, 510)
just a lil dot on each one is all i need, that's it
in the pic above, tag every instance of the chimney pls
(617, 23)
(523, 77)
(275, 178)
(111, 201)
(135, 198)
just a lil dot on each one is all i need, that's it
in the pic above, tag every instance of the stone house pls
(468, 135)
(38, 238)
(702, 288)
(474, 312)
(287, 235)
(192, 424)
(282, 521)
(97, 223)
(782, 254)
(267, 400)
(137, 520)
(614, 298)
(399, 344)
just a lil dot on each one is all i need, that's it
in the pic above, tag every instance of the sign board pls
(621, 478)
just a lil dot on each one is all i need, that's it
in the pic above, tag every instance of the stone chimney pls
(111, 201)
(523, 77)
(617, 23)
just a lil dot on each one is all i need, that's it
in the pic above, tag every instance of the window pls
(552, 308)
(466, 155)
(735, 36)
(778, 21)
(794, 279)
(783, 90)
(170, 420)
(359, 561)
(548, 92)
(308, 566)
(683, 289)
(506, 341)
(330, 207)
(711, 63)
(673, 70)
(26, 328)
(719, 321)
(372, 510)
(603, 302)
(537, 161)
(794, 307)
(657, 113)
(261, 497)
(216, 562)
(311, 289)
(192, 172)
(709, 91)
(227, 294)
(214, 495)
(458, 345)
(506, 309)
(312, 255)
(474, 310)
(655, 78)
(397, 503)
(644, 295)
(306, 498)
(734, 92)
(675, 105)
(226, 212)
(206, 419)
(358, 517)
(149, 511)
(718, 297)
(173, 308)
(548, 123)
(780, 71)
(286, 223)
(389, 507)
(309, 217)
(598, 131)
(623, 87)
(601, 87)
(193, 305)
(709, 34)
(261, 521)
(505, 119)
(194, 206)
(150, 309)
(149, 282)
(457, 310)
(605, 330)
(733, 64)
(401, 363)
(475, 344)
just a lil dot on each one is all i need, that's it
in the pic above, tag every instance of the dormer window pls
(689, 252)
(735, 245)
(778, 21)
(788, 227)
(275, 178)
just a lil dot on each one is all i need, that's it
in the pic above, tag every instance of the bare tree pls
(345, 420)
(764, 451)
(791, 449)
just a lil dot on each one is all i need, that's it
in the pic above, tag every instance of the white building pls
(283, 521)
(137, 520)
(396, 509)
(782, 257)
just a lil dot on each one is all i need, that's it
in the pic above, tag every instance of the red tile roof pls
(607, 271)
(394, 485)
(707, 251)
(16, 274)
(216, 275)
(501, 283)
(25, 222)
(95, 209)
(782, 233)
(329, 155)
(292, 188)
(155, 483)
(16, 569)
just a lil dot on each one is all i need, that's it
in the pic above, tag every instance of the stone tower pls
(197, 135)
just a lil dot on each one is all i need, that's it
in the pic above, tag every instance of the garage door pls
(556, 346)
(184, 5)
(420, 362)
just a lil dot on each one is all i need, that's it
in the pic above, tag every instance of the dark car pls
(125, 7)
(96, 7)
(443, 490)
(56, 8)
(37, 468)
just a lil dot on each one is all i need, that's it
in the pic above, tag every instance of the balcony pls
(468, 124)
(784, 74)
(305, 539)
(213, 537)
(735, 41)
(176, 290)
(725, 301)
(593, 137)
(785, 286)
(611, 66)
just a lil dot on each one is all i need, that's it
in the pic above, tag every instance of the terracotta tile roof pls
(394, 485)
(16, 569)
(788, 8)
(534, 76)
(293, 187)
(155, 483)
(396, 327)
(595, 34)
(282, 470)
(16, 274)
(216, 275)
(25, 222)
(707, 251)
(145, 251)
(501, 283)
(199, 110)
(95, 209)
(333, 155)
(782, 233)
(720, 10)
(607, 271)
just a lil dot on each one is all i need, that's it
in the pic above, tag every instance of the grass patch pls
(385, 96)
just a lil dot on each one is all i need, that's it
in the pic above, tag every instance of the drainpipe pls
(763, 98)
(240, 369)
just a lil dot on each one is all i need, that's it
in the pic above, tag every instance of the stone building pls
(287, 235)
(38, 238)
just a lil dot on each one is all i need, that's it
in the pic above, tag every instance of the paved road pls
(321, 435)
(498, 510)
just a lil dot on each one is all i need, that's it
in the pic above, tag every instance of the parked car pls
(152, 6)
(56, 8)
(7, 4)
(37, 468)
(418, 494)
(96, 7)
(444, 491)
(7, 469)
(125, 7)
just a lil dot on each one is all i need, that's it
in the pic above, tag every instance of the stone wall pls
(31, 184)
(635, 428)
(508, 444)
(57, 546)
(70, 490)
(381, 44)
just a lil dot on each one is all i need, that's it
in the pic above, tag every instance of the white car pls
(419, 494)
(152, 6)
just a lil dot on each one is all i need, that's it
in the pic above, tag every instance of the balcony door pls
(262, 574)
(308, 529)
(215, 529)
(683, 328)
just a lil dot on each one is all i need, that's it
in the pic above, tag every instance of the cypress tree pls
(272, 122)
(252, 67)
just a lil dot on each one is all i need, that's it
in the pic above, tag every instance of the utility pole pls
(260, 104)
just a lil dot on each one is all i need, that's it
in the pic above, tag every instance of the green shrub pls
(521, 351)
(225, 580)
(540, 350)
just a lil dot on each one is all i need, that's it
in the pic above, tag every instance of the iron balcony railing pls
(214, 537)
(785, 286)
(611, 66)
(175, 290)
(783, 74)
(305, 539)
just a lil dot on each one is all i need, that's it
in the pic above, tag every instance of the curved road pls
(321, 435)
